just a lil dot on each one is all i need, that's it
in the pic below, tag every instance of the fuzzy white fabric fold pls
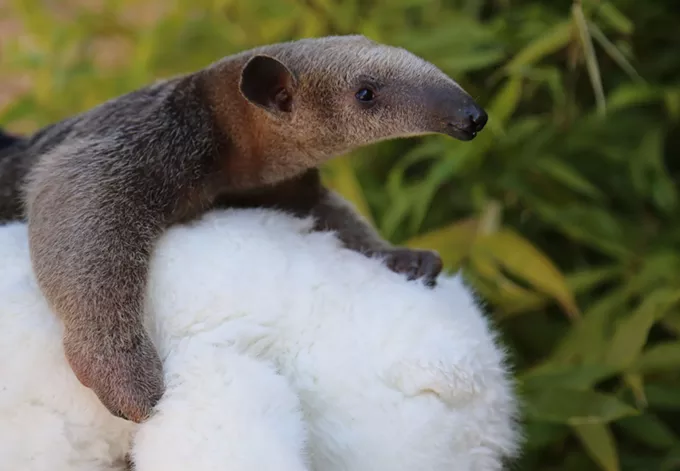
(282, 351)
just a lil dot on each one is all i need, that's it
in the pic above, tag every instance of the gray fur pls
(249, 130)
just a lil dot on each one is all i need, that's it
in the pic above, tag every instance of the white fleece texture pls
(282, 351)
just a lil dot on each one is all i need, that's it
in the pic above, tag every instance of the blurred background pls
(563, 214)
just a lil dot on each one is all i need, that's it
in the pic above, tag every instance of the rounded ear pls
(268, 83)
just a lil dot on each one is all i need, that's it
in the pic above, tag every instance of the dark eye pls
(365, 94)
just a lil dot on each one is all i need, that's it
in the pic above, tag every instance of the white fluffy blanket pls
(282, 351)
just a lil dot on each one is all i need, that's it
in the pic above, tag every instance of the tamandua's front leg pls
(332, 212)
(305, 195)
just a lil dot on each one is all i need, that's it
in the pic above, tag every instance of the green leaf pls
(453, 242)
(672, 321)
(574, 407)
(663, 396)
(589, 225)
(585, 280)
(672, 101)
(542, 434)
(631, 333)
(400, 205)
(563, 173)
(615, 18)
(504, 104)
(660, 358)
(648, 429)
(553, 40)
(599, 441)
(631, 94)
(636, 383)
(614, 52)
(590, 56)
(649, 174)
(344, 180)
(441, 172)
(581, 377)
(510, 298)
(587, 341)
(515, 300)
(473, 60)
(671, 461)
(428, 150)
(524, 260)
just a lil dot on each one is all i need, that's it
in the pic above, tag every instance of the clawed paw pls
(415, 264)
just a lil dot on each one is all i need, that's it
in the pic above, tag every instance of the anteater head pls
(302, 102)
(349, 91)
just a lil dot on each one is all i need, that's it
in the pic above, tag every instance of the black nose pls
(477, 117)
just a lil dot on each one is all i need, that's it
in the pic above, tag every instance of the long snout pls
(455, 113)
(470, 120)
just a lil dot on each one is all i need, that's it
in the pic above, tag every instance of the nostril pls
(478, 117)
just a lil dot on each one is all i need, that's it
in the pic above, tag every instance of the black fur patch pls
(7, 140)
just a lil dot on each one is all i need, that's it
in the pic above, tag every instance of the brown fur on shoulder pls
(247, 131)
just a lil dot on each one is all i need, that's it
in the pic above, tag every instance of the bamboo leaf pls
(672, 101)
(587, 341)
(566, 175)
(574, 407)
(589, 225)
(541, 434)
(672, 321)
(615, 18)
(397, 212)
(522, 259)
(660, 358)
(588, 279)
(663, 396)
(589, 55)
(614, 52)
(510, 298)
(600, 444)
(453, 242)
(344, 180)
(473, 60)
(631, 94)
(648, 429)
(516, 300)
(555, 39)
(636, 383)
(649, 173)
(504, 104)
(441, 172)
(631, 333)
(581, 377)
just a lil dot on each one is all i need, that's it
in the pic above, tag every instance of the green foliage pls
(564, 213)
